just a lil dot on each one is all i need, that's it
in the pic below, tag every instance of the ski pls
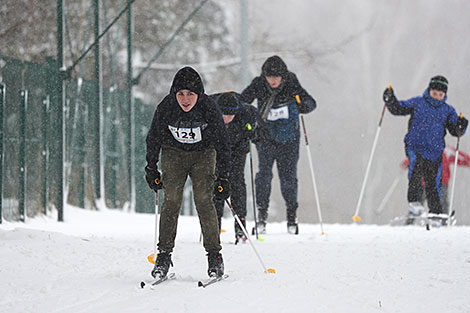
(422, 220)
(440, 220)
(157, 281)
(408, 220)
(210, 281)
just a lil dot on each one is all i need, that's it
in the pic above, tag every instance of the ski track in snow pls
(94, 262)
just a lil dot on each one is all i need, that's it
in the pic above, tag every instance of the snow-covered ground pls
(94, 261)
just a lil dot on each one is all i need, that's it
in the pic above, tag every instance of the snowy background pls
(344, 53)
(95, 260)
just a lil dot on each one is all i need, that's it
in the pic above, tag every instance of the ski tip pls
(356, 218)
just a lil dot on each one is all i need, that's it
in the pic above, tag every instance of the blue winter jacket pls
(281, 125)
(428, 123)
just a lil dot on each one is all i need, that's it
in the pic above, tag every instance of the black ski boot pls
(292, 224)
(216, 264)
(162, 265)
(262, 218)
(239, 234)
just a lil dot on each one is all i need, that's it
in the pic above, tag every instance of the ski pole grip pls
(297, 98)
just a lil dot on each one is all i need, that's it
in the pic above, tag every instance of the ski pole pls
(153, 257)
(387, 196)
(356, 217)
(449, 213)
(248, 126)
(269, 270)
(315, 191)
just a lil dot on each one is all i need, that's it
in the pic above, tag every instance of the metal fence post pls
(97, 112)
(131, 110)
(22, 154)
(45, 153)
(2, 103)
(58, 143)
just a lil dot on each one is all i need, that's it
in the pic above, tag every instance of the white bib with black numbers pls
(186, 135)
(281, 113)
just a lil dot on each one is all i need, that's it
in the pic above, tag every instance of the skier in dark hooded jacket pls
(430, 117)
(278, 134)
(189, 130)
(240, 121)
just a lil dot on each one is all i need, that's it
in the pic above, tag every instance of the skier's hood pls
(187, 78)
(274, 66)
(433, 102)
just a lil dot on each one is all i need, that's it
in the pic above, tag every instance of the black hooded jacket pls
(196, 130)
(290, 87)
(238, 132)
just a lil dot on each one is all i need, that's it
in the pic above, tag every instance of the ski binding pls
(157, 281)
(211, 280)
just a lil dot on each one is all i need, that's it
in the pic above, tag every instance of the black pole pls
(253, 192)
(2, 104)
(22, 155)
(45, 153)
(57, 153)
(130, 110)
(97, 110)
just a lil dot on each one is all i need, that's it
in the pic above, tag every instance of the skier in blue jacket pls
(430, 117)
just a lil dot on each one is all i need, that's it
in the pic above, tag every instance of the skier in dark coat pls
(189, 130)
(240, 121)
(430, 117)
(278, 134)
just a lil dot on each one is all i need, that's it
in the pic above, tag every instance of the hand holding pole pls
(451, 203)
(315, 191)
(356, 217)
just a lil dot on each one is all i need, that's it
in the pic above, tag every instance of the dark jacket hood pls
(187, 78)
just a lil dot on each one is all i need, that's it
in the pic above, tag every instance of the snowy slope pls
(94, 261)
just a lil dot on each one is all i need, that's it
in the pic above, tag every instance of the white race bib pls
(278, 114)
(186, 135)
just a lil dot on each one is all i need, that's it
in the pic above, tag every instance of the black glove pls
(249, 131)
(461, 125)
(261, 134)
(153, 178)
(389, 96)
(221, 189)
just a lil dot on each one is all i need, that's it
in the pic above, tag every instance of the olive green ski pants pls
(176, 166)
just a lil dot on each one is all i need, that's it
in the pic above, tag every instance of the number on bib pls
(278, 113)
(186, 135)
